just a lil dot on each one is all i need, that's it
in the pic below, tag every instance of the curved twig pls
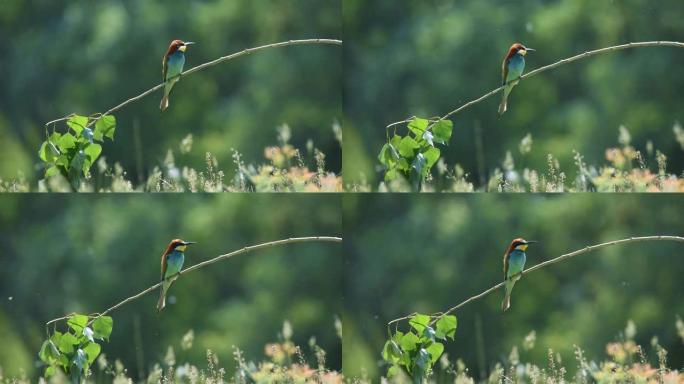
(204, 264)
(546, 68)
(541, 265)
(206, 65)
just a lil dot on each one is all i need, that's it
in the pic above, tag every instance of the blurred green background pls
(405, 253)
(86, 253)
(86, 57)
(425, 58)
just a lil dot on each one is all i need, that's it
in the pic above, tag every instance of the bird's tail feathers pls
(506, 303)
(504, 101)
(164, 103)
(162, 300)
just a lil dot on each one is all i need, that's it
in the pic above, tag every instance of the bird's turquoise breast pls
(516, 65)
(174, 263)
(516, 262)
(175, 64)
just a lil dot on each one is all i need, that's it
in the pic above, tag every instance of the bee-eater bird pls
(511, 70)
(513, 265)
(172, 66)
(171, 264)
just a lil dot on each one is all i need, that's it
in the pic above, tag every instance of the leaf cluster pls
(413, 155)
(73, 152)
(76, 349)
(416, 351)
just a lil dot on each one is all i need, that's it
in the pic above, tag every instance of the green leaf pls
(394, 152)
(431, 157)
(391, 352)
(429, 333)
(393, 371)
(93, 151)
(418, 126)
(103, 327)
(55, 339)
(77, 323)
(80, 360)
(67, 343)
(63, 161)
(390, 175)
(92, 350)
(48, 152)
(49, 371)
(427, 136)
(419, 322)
(77, 123)
(409, 342)
(423, 359)
(52, 171)
(78, 163)
(88, 334)
(66, 142)
(105, 126)
(407, 146)
(397, 336)
(383, 156)
(446, 327)
(403, 164)
(87, 135)
(419, 165)
(442, 131)
(435, 350)
(48, 352)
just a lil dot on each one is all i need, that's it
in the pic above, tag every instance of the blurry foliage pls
(425, 58)
(623, 361)
(84, 57)
(627, 169)
(284, 362)
(82, 253)
(286, 170)
(406, 254)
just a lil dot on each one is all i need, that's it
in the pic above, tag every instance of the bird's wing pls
(163, 265)
(504, 71)
(164, 68)
(505, 264)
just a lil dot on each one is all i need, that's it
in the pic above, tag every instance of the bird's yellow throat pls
(181, 248)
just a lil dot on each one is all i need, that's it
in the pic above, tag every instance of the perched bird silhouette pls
(171, 264)
(511, 70)
(513, 265)
(172, 67)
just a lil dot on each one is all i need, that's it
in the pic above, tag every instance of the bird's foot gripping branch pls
(73, 153)
(413, 155)
(415, 352)
(76, 349)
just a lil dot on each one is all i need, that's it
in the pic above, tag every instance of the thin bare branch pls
(208, 262)
(551, 66)
(544, 264)
(206, 65)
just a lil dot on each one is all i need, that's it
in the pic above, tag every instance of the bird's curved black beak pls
(192, 42)
(531, 242)
(189, 242)
(530, 49)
